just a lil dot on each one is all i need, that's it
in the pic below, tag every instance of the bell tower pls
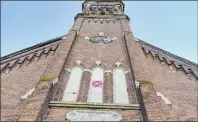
(92, 68)
(97, 71)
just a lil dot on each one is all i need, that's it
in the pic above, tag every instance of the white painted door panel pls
(120, 87)
(73, 85)
(96, 86)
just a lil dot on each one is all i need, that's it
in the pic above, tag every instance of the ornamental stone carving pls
(87, 115)
(101, 39)
(103, 8)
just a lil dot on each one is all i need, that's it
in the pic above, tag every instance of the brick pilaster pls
(37, 105)
(152, 102)
(108, 88)
(84, 87)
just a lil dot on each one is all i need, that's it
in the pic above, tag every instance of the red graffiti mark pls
(97, 83)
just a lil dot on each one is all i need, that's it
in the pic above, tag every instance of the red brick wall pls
(16, 83)
(174, 85)
(152, 102)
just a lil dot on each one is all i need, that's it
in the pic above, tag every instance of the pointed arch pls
(72, 88)
(120, 93)
(96, 85)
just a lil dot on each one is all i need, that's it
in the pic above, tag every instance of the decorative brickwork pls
(31, 56)
(178, 65)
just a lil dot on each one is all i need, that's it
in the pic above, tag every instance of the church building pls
(98, 71)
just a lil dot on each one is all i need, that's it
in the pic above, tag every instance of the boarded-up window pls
(96, 86)
(120, 87)
(73, 85)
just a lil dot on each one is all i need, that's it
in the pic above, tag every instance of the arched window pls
(120, 87)
(73, 85)
(96, 86)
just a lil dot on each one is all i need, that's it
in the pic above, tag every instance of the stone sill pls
(94, 105)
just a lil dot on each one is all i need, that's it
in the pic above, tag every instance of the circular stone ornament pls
(101, 39)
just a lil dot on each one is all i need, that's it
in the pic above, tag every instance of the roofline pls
(32, 47)
(169, 54)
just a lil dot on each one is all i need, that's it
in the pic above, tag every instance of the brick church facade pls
(98, 71)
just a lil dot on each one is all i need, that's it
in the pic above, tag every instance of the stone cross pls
(98, 63)
(78, 62)
(118, 64)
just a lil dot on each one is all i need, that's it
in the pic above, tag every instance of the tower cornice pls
(117, 16)
(103, 1)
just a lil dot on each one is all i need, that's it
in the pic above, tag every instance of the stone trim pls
(145, 82)
(94, 105)
(99, 16)
(47, 79)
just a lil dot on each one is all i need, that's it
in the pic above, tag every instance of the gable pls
(29, 54)
(188, 67)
